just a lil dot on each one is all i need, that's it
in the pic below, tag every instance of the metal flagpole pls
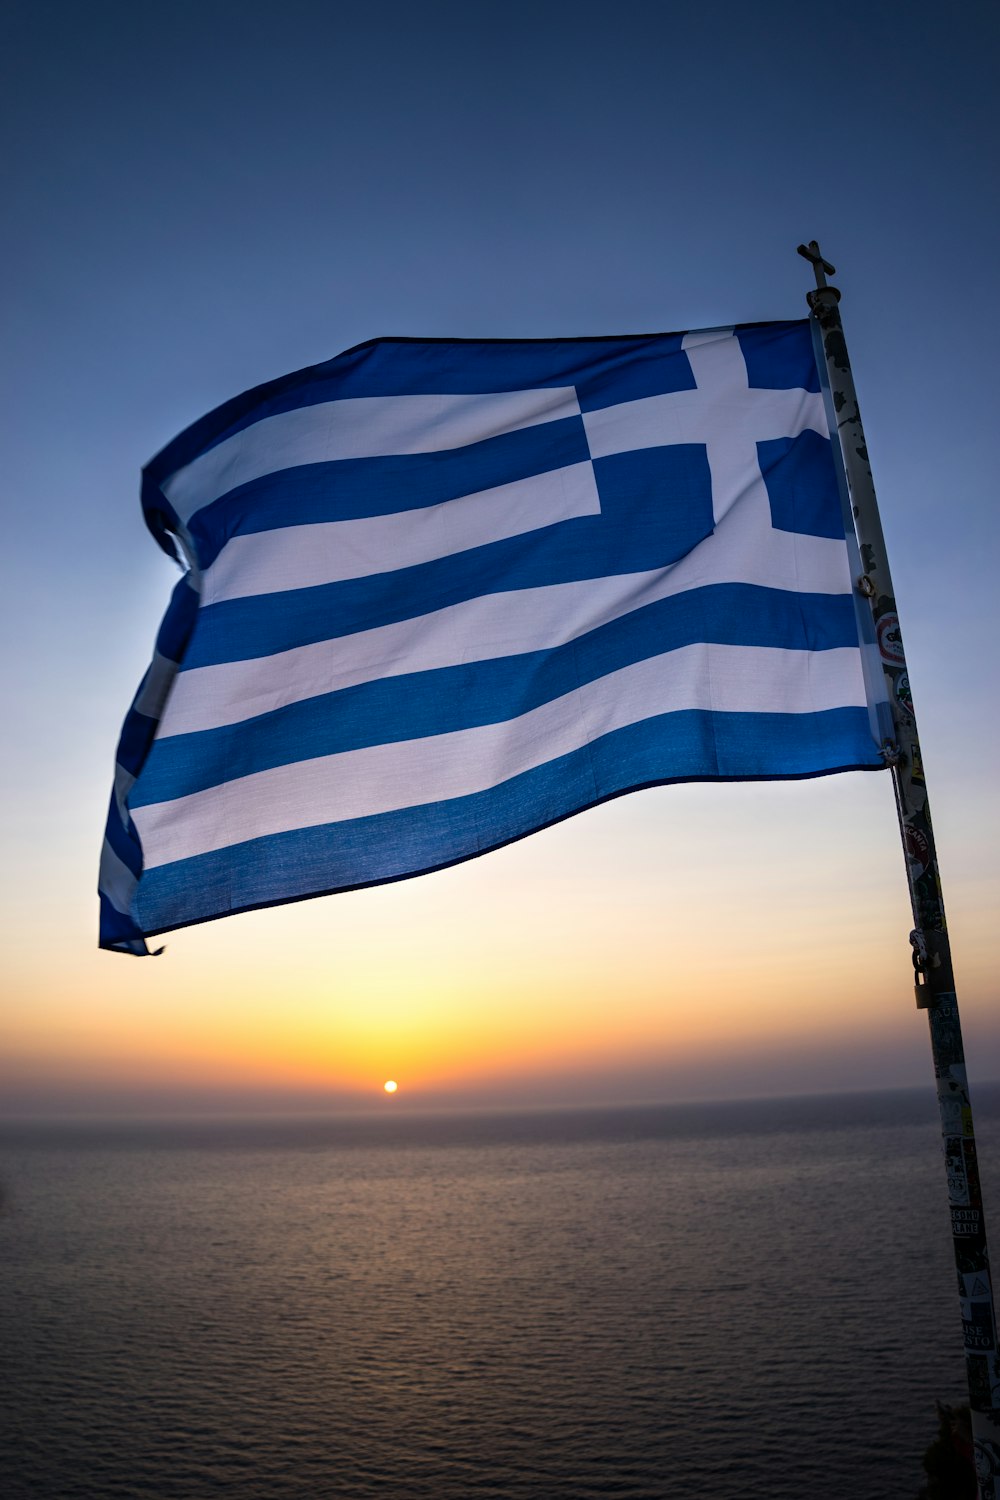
(935, 984)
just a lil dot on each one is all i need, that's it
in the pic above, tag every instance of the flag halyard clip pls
(921, 965)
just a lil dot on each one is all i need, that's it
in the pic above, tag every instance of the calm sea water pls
(728, 1301)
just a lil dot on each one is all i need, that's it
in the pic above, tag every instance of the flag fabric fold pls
(443, 593)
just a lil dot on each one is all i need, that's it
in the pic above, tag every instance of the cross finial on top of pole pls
(822, 268)
(811, 252)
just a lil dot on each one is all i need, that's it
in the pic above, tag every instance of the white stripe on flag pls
(116, 880)
(124, 782)
(385, 778)
(504, 624)
(152, 694)
(359, 427)
(296, 557)
(739, 420)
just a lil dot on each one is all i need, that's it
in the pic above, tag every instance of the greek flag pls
(442, 593)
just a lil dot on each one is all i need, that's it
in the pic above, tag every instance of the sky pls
(201, 197)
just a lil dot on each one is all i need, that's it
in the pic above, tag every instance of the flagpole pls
(934, 980)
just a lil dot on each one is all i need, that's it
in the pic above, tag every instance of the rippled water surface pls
(726, 1301)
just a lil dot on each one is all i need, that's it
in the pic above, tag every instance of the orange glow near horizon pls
(583, 954)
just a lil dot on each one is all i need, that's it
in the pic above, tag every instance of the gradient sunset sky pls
(203, 196)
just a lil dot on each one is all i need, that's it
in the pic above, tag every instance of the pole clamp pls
(891, 753)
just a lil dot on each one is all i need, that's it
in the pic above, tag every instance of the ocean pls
(731, 1300)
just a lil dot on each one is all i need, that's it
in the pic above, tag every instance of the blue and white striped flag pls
(443, 593)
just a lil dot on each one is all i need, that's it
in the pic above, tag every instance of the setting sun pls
(390, 1086)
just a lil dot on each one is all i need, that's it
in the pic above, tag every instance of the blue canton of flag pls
(443, 593)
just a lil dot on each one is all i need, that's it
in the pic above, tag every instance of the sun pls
(390, 1085)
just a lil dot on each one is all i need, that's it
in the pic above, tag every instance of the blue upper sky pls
(200, 197)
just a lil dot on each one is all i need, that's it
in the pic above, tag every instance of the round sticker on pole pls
(890, 642)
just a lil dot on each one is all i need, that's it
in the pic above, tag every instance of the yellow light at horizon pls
(390, 1086)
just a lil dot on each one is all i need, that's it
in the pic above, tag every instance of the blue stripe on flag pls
(776, 357)
(489, 692)
(136, 739)
(628, 536)
(801, 487)
(353, 488)
(392, 846)
(139, 728)
(123, 841)
(119, 930)
(178, 622)
(646, 365)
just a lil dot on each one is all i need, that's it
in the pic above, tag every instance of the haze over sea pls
(722, 1299)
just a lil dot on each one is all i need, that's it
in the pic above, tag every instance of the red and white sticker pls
(890, 641)
(918, 849)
